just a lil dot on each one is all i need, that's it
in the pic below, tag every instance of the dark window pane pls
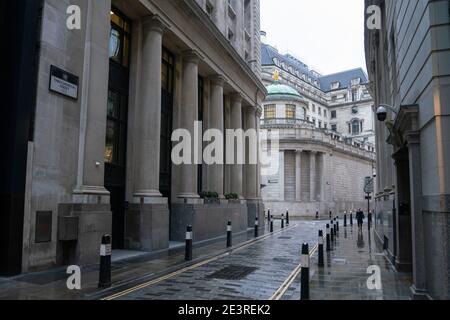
(109, 146)
(126, 51)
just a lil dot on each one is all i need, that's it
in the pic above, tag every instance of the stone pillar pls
(188, 117)
(148, 124)
(258, 169)
(298, 175)
(312, 185)
(251, 170)
(91, 170)
(281, 176)
(216, 122)
(418, 250)
(236, 123)
(322, 177)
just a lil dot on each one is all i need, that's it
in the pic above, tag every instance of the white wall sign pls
(63, 82)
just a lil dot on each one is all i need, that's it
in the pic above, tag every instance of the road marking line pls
(175, 273)
(290, 279)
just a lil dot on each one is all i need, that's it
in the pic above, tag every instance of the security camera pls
(382, 113)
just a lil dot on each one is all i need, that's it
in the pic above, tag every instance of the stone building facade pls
(325, 130)
(99, 162)
(409, 65)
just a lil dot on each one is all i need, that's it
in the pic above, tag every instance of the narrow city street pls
(266, 268)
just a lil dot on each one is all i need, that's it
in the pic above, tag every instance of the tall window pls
(356, 127)
(290, 111)
(270, 111)
(119, 39)
(117, 104)
(333, 114)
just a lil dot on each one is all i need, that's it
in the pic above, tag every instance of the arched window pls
(356, 127)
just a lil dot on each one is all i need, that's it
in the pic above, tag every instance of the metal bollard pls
(271, 224)
(304, 294)
(351, 218)
(256, 227)
(337, 224)
(331, 215)
(328, 238)
(229, 235)
(321, 264)
(189, 233)
(282, 221)
(369, 220)
(268, 215)
(105, 262)
(332, 231)
(317, 215)
(287, 217)
(345, 219)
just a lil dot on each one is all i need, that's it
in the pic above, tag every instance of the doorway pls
(116, 126)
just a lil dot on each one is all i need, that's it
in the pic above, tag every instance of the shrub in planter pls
(232, 196)
(210, 197)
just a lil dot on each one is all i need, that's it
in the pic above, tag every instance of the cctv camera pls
(382, 114)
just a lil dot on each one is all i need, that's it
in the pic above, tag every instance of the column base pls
(147, 226)
(91, 195)
(419, 294)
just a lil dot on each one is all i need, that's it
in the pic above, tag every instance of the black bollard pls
(282, 221)
(351, 218)
(268, 215)
(345, 219)
(304, 295)
(331, 215)
(256, 227)
(287, 217)
(105, 262)
(321, 264)
(229, 235)
(332, 231)
(317, 215)
(328, 238)
(271, 224)
(188, 255)
(337, 225)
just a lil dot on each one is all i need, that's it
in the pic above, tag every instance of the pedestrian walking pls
(360, 218)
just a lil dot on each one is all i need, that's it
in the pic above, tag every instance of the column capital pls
(154, 23)
(191, 56)
(217, 80)
(236, 97)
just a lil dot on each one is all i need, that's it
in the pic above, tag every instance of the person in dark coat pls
(360, 218)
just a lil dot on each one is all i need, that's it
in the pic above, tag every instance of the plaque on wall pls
(63, 82)
(43, 231)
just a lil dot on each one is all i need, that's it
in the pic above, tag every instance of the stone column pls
(418, 250)
(216, 122)
(251, 170)
(322, 178)
(94, 88)
(312, 185)
(188, 116)
(258, 167)
(236, 123)
(281, 176)
(148, 123)
(298, 175)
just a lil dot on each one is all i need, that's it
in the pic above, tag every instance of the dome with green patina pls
(278, 91)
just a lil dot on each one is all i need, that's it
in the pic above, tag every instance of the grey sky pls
(327, 35)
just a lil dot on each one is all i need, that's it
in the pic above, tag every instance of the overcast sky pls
(327, 35)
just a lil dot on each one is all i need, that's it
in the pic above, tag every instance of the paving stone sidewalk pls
(345, 276)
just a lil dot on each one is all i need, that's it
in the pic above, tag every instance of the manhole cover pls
(285, 238)
(232, 272)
